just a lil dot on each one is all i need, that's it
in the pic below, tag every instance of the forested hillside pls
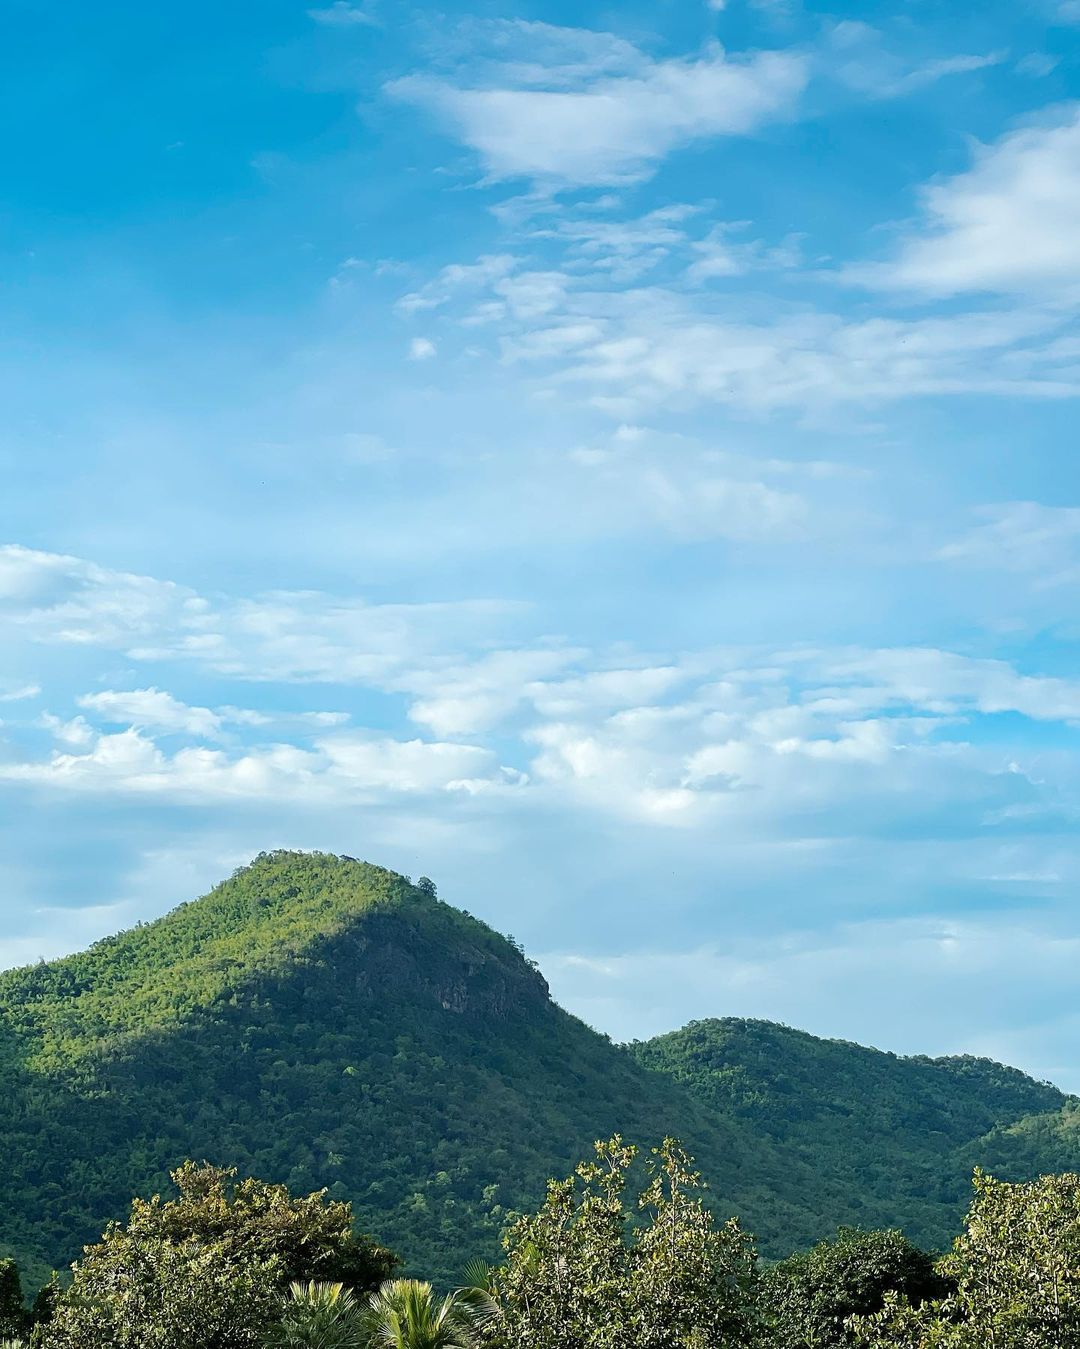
(323, 1022)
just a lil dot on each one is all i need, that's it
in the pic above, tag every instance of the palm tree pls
(320, 1316)
(405, 1314)
(478, 1293)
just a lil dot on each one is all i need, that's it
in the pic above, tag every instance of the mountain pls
(323, 1022)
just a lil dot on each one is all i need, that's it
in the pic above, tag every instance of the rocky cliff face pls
(391, 956)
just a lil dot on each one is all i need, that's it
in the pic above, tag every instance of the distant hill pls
(323, 1022)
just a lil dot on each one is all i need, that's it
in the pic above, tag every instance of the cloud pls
(151, 709)
(571, 123)
(421, 349)
(50, 596)
(861, 57)
(1023, 536)
(59, 600)
(338, 769)
(677, 343)
(1009, 986)
(344, 15)
(944, 682)
(690, 497)
(20, 694)
(1010, 223)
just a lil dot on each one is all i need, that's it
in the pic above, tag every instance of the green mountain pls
(323, 1022)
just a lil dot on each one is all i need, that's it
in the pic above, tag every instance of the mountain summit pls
(324, 1022)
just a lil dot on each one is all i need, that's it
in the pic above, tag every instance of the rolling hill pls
(323, 1022)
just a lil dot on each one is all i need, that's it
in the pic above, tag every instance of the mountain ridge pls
(322, 1021)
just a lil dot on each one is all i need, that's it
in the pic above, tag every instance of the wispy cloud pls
(341, 14)
(576, 120)
(862, 57)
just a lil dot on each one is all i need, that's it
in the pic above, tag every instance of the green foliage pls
(808, 1299)
(206, 1269)
(319, 1316)
(133, 1291)
(406, 1314)
(254, 1223)
(860, 1137)
(323, 1023)
(14, 1320)
(1016, 1269)
(580, 1275)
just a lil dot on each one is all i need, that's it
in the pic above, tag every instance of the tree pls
(14, 1321)
(808, 1299)
(405, 1314)
(312, 1236)
(1016, 1268)
(580, 1275)
(690, 1282)
(136, 1291)
(206, 1270)
(320, 1316)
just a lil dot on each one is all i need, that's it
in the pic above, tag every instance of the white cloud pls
(674, 344)
(20, 694)
(861, 57)
(1023, 536)
(1010, 223)
(659, 350)
(693, 497)
(583, 125)
(422, 349)
(339, 769)
(151, 709)
(51, 598)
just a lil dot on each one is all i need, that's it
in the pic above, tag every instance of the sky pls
(618, 460)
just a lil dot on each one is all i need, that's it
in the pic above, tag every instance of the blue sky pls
(618, 460)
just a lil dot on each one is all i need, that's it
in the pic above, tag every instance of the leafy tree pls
(406, 1314)
(206, 1270)
(137, 1290)
(808, 1298)
(320, 1316)
(579, 1275)
(311, 1236)
(1017, 1272)
(13, 1318)
(690, 1282)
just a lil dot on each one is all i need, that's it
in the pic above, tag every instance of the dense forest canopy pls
(321, 1022)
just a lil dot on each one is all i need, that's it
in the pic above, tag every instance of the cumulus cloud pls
(1010, 223)
(338, 769)
(578, 120)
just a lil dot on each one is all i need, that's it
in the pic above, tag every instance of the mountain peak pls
(280, 914)
(321, 1021)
